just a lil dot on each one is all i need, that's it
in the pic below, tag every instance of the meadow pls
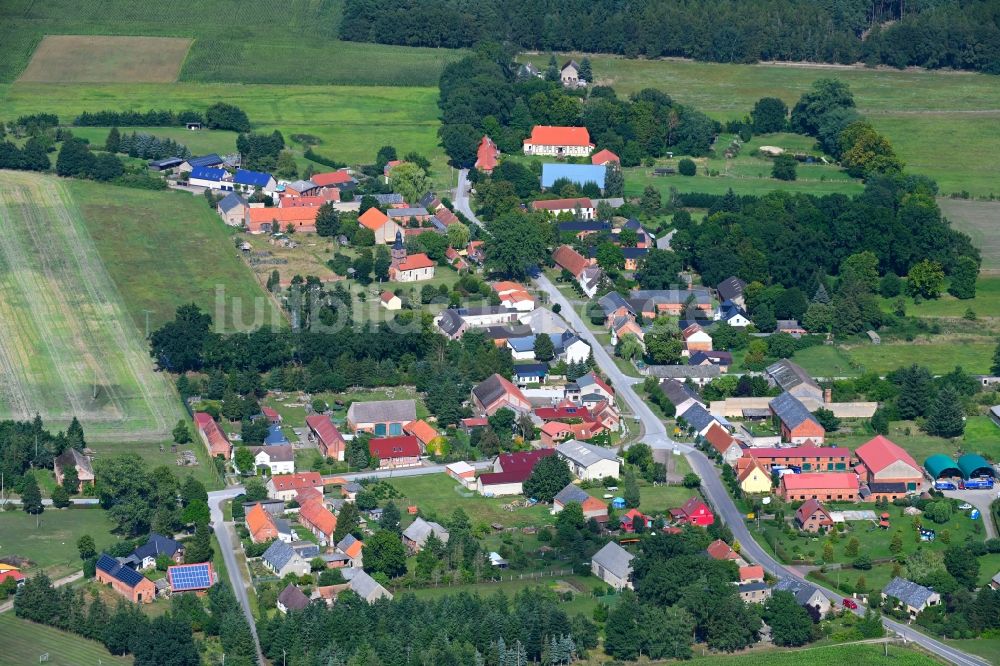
(827, 655)
(234, 41)
(979, 219)
(51, 547)
(68, 346)
(940, 354)
(25, 642)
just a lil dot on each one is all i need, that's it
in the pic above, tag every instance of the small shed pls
(874, 337)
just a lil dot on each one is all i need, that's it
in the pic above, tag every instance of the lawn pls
(941, 123)
(827, 655)
(25, 642)
(69, 344)
(979, 220)
(440, 495)
(233, 41)
(653, 500)
(199, 142)
(986, 303)
(180, 248)
(51, 546)
(988, 648)
(974, 354)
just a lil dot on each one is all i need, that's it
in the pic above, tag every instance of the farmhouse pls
(510, 471)
(495, 393)
(589, 390)
(589, 462)
(583, 208)
(613, 565)
(81, 463)
(812, 516)
(125, 581)
(279, 459)
(604, 158)
(883, 461)
(213, 437)
(233, 209)
(809, 457)
(415, 536)
(393, 452)
(514, 296)
(694, 512)
(720, 550)
(614, 306)
(319, 520)
(578, 174)
(592, 507)
(260, 524)
(486, 155)
(286, 486)
(144, 557)
(752, 476)
(829, 487)
(805, 594)
(381, 417)
(696, 339)
(269, 220)
(569, 75)
(329, 440)
(724, 444)
(281, 559)
(558, 141)
(385, 230)
(291, 598)
(797, 424)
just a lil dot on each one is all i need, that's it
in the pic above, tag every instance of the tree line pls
(220, 116)
(959, 34)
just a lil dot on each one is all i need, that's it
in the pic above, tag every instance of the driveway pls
(981, 499)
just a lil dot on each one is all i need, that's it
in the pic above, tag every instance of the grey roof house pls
(282, 559)
(613, 565)
(416, 535)
(912, 596)
(804, 593)
(292, 598)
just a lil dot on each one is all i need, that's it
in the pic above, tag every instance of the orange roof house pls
(422, 430)
(486, 155)
(286, 486)
(569, 259)
(752, 573)
(318, 519)
(604, 157)
(261, 524)
(331, 178)
(384, 229)
(720, 550)
(558, 141)
(262, 220)
(724, 444)
(212, 435)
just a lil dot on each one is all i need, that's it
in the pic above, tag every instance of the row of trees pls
(145, 146)
(27, 444)
(961, 35)
(220, 115)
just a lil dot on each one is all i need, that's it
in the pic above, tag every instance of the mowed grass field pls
(441, 495)
(268, 41)
(941, 123)
(61, 58)
(981, 220)
(68, 346)
(25, 642)
(51, 547)
(827, 655)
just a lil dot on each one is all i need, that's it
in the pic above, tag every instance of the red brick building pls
(832, 487)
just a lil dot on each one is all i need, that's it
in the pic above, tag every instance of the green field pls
(828, 655)
(981, 220)
(200, 142)
(178, 246)
(25, 642)
(441, 495)
(52, 545)
(270, 41)
(974, 354)
(981, 436)
(986, 304)
(941, 123)
(68, 346)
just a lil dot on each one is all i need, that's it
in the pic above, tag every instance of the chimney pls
(827, 396)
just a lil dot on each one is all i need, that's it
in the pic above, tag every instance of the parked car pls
(965, 506)
(850, 603)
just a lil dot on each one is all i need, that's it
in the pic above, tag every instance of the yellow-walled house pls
(753, 478)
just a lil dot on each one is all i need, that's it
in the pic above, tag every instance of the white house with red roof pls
(286, 486)
(486, 155)
(390, 301)
(604, 158)
(582, 207)
(510, 471)
(385, 230)
(695, 340)
(558, 141)
(495, 393)
(393, 452)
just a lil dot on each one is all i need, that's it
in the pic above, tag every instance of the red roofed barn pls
(486, 155)
(558, 141)
(884, 461)
(322, 431)
(216, 440)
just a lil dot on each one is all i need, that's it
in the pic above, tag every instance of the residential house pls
(455, 259)
(696, 340)
(606, 414)
(829, 487)
(286, 486)
(486, 155)
(415, 536)
(883, 461)
(792, 379)
(365, 586)
(569, 75)
(583, 228)
(144, 557)
(731, 289)
(213, 437)
(582, 207)
(530, 373)
(694, 512)
(691, 303)
(558, 141)
(812, 516)
(529, 71)
(291, 598)
(752, 573)
(734, 315)
(211, 160)
(211, 178)
(912, 597)
(281, 559)
(329, 440)
(808, 596)
(385, 230)
(474, 251)
(81, 463)
(700, 375)
(495, 393)
(423, 431)
(724, 444)
(340, 179)
(632, 519)
(301, 188)
(698, 419)
(622, 326)
(589, 389)
(315, 517)
(462, 472)
(381, 417)
(752, 476)
(554, 432)
(605, 158)
(591, 506)
(195, 577)
(680, 395)
(790, 326)
(127, 582)
(613, 565)
(510, 471)
(413, 268)
(514, 296)
(390, 301)
(394, 452)
(453, 322)
(797, 424)
(633, 255)
(233, 209)
(261, 524)
(403, 215)
(754, 593)
(261, 220)
(279, 459)
(722, 359)
(614, 306)
(589, 462)
(808, 457)
(352, 548)
(578, 174)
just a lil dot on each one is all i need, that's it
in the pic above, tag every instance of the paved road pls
(656, 436)
(461, 199)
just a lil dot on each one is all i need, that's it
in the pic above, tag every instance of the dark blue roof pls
(204, 161)
(157, 544)
(206, 173)
(634, 252)
(275, 435)
(584, 225)
(531, 370)
(112, 567)
(255, 178)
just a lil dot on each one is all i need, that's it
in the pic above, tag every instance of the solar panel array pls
(190, 577)
(126, 575)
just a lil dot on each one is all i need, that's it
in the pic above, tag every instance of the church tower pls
(398, 250)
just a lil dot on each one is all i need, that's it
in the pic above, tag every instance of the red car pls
(850, 603)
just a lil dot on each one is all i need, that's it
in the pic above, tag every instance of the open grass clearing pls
(938, 353)
(981, 220)
(93, 58)
(988, 648)
(199, 142)
(51, 547)
(826, 655)
(68, 346)
(25, 642)
(986, 303)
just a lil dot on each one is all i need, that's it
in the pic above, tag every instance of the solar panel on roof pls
(107, 563)
(130, 577)
(190, 576)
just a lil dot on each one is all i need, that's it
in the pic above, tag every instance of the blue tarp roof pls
(255, 178)
(275, 436)
(206, 173)
(581, 174)
(204, 160)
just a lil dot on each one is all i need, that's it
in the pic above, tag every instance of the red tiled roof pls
(269, 412)
(693, 506)
(331, 178)
(808, 508)
(568, 258)
(600, 157)
(297, 481)
(547, 135)
(260, 523)
(373, 219)
(748, 467)
(218, 443)
(318, 516)
(386, 448)
(691, 330)
(300, 217)
(446, 217)
(751, 572)
(803, 452)
(553, 428)
(827, 480)
(422, 430)
(516, 466)
(306, 202)
(720, 550)
(327, 433)
(719, 438)
(559, 413)
(387, 296)
(880, 452)
(475, 422)
(415, 262)
(562, 204)
(16, 575)
(486, 155)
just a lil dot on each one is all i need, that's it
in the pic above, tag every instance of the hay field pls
(67, 346)
(101, 59)
(981, 220)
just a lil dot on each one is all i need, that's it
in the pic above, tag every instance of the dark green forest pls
(961, 34)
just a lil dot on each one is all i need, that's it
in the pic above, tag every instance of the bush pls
(784, 167)
(687, 167)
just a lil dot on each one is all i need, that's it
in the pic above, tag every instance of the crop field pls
(941, 123)
(981, 220)
(67, 344)
(67, 58)
(180, 248)
(234, 41)
(25, 642)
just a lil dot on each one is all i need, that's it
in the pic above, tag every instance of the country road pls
(655, 436)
